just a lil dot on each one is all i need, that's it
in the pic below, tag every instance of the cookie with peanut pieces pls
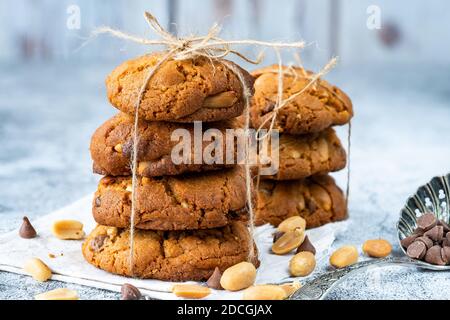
(317, 199)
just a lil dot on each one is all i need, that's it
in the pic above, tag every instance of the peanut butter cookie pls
(317, 199)
(306, 155)
(196, 201)
(168, 255)
(183, 91)
(322, 105)
(111, 147)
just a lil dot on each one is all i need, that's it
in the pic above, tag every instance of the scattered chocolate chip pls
(426, 241)
(130, 292)
(416, 250)
(214, 280)
(445, 253)
(98, 202)
(436, 233)
(434, 256)
(306, 246)
(426, 222)
(444, 225)
(277, 235)
(98, 241)
(27, 231)
(408, 240)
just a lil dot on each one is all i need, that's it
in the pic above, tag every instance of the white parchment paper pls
(70, 266)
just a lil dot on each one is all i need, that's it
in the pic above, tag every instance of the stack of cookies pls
(189, 217)
(308, 147)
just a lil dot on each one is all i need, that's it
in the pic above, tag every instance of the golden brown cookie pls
(306, 155)
(168, 255)
(196, 201)
(322, 105)
(111, 147)
(184, 91)
(317, 199)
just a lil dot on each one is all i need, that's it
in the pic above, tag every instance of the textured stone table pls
(400, 140)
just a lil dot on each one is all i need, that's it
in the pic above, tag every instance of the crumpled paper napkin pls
(69, 266)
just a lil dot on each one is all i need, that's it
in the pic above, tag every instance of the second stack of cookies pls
(308, 147)
(189, 217)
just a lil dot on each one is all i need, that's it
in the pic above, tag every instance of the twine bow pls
(214, 48)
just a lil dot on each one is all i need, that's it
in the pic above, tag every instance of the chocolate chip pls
(214, 280)
(416, 250)
(98, 241)
(130, 292)
(444, 225)
(268, 108)
(434, 256)
(445, 253)
(107, 180)
(445, 243)
(27, 231)
(436, 233)
(277, 235)
(408, 240)
(306, 246)
(98, 202)
(143, 147)
(427, 221)
(426, 241)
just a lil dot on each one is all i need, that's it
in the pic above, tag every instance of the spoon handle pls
(319, 287)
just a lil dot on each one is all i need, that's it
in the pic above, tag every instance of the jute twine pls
(214, 48)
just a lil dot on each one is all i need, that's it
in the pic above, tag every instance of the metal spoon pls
(431, 197)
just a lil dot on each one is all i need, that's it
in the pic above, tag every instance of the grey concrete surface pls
(400, 140)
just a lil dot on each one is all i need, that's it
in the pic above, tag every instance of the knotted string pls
(212, 47)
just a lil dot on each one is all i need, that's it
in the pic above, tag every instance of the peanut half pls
(68, 230)
(378, 248)
(38, 269)
(221, 100)
(302, 264)
(191, 291)
(288, 241)
(344, 256)
(292, 223)
(321, 196)
(58, 294)
(238, 277)
(264, 292)
(290, 288)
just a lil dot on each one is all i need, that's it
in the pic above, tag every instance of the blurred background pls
(363, 31)
(394, 63)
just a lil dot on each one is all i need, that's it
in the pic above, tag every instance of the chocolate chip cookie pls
(168, 255)
(322, 105)
(306, 155)
(183, 91)
(111, 147)
(196, 201)
(317, 199)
